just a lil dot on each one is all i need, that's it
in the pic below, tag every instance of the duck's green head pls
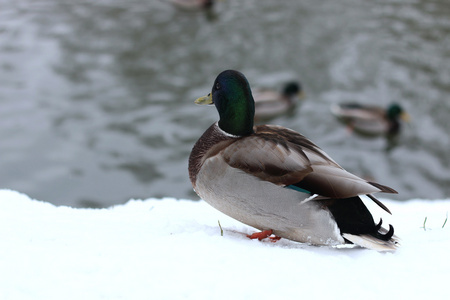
(395, 111)
(292, 88)
(233, 99)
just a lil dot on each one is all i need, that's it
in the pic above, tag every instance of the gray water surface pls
(96, 97)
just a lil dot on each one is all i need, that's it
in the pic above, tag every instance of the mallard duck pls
(278, 181)
(193, 4)
(370, 120)
(270, 103)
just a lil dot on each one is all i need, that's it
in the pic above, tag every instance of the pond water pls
(96, 97)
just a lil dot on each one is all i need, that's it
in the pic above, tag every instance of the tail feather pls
(383, 188)
(371, 242)
(380, 240)
(379, 203)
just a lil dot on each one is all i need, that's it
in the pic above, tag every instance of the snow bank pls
(173, 249)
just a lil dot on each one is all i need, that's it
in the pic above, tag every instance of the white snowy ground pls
(169, 249)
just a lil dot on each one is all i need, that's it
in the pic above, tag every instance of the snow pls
(173, 249)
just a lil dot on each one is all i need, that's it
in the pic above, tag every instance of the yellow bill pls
(205, 100)
(405, 116)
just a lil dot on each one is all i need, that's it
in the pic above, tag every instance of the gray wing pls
(285, 157)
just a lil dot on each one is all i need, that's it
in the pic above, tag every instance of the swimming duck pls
(370, 120)
(270, 104)
(278, 181)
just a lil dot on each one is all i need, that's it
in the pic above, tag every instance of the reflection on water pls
(96, 100)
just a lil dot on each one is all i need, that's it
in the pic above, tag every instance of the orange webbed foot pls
(274, 238)
(264, 234)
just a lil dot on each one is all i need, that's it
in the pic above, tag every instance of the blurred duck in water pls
(371, 120)
(270, 104)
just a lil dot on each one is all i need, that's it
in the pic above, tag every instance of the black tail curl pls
(383, 236)
(378, 226)
(353, 217)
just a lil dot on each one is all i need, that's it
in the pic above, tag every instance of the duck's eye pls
(217, 86)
